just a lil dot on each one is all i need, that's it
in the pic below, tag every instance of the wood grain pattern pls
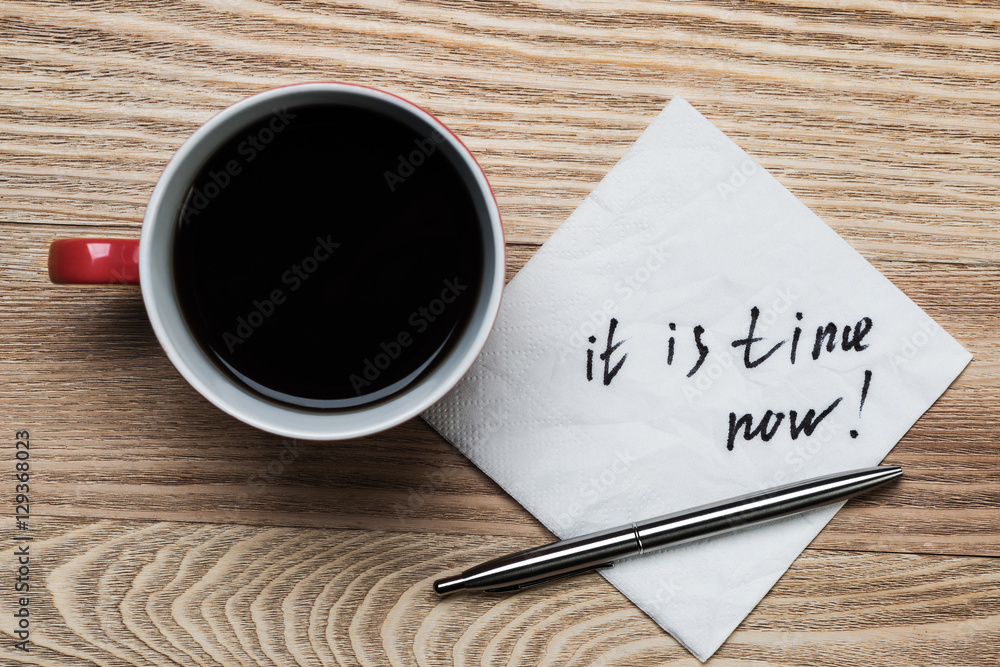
(158, 593)
(880, 115)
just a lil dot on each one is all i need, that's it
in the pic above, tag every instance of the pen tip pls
(449, 585)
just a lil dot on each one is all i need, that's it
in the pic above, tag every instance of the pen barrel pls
(553, 561)
(601, 549)
(716, 518)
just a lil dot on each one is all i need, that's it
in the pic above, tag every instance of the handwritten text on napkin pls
(692, 333)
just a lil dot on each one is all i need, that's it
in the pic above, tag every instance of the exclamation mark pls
(864, 395)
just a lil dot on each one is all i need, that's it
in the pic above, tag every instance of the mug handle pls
(94, 261)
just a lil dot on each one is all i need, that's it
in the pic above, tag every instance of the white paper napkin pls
(677, 248)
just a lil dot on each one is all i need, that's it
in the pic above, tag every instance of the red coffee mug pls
(148, 262)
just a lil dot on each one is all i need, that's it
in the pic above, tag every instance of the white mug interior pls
(156, 271)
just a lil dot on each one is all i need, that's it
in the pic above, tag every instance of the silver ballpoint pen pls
(599, 550)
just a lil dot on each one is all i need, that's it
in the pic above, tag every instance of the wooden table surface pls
(165, 532)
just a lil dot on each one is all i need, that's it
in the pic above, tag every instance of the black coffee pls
(328, 257)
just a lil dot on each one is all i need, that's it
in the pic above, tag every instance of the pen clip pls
(571, 573)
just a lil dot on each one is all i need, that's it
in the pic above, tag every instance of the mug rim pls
(191, 360)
